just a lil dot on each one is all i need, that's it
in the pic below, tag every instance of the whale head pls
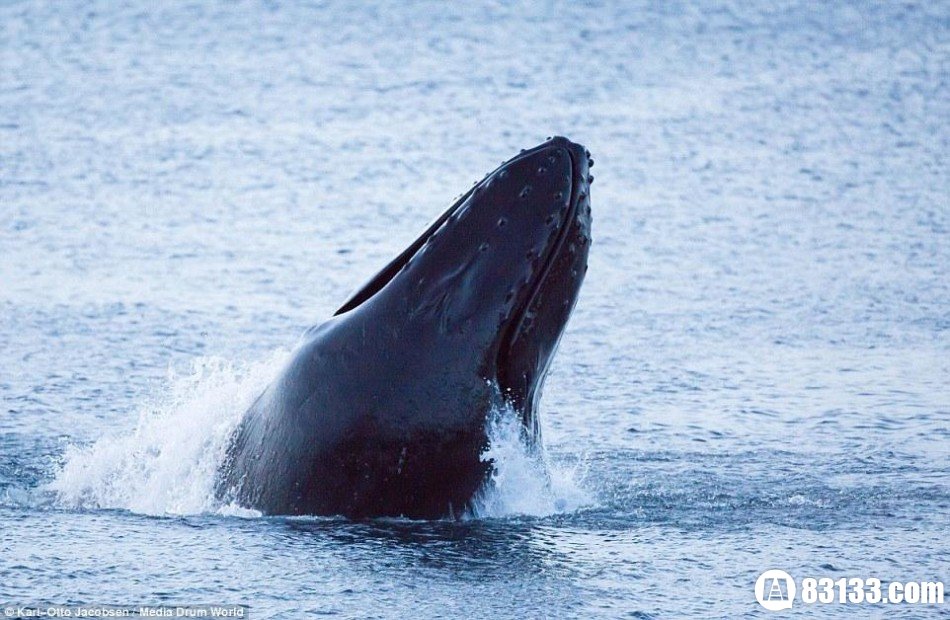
(489, 286)
(382, 409)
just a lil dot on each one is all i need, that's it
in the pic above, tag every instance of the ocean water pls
(757, 374)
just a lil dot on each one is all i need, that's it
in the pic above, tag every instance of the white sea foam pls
(524, 481)
(168, 462)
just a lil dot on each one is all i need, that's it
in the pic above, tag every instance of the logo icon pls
(775, 590)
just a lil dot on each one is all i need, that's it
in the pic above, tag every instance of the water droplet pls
(525, 191)
(542, 171)
(483, 246)
(502, 222)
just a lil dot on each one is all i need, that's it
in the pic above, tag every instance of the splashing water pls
(524, 481)
(167, 464)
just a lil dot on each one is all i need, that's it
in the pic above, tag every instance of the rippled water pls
(756, 375)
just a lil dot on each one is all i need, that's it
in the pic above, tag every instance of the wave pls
(168, 463)
(524, 481)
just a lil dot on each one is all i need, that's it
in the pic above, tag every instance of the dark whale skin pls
(381, 410)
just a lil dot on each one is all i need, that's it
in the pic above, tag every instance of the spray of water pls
(168, 463)
(523, 480)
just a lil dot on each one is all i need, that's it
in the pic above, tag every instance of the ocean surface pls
(757, 374)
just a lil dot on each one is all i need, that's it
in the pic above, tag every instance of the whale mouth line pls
(384, 276)
(520, 312)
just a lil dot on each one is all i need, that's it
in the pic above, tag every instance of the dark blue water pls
(757, 374)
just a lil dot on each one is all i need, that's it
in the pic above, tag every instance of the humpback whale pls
(382, 409)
